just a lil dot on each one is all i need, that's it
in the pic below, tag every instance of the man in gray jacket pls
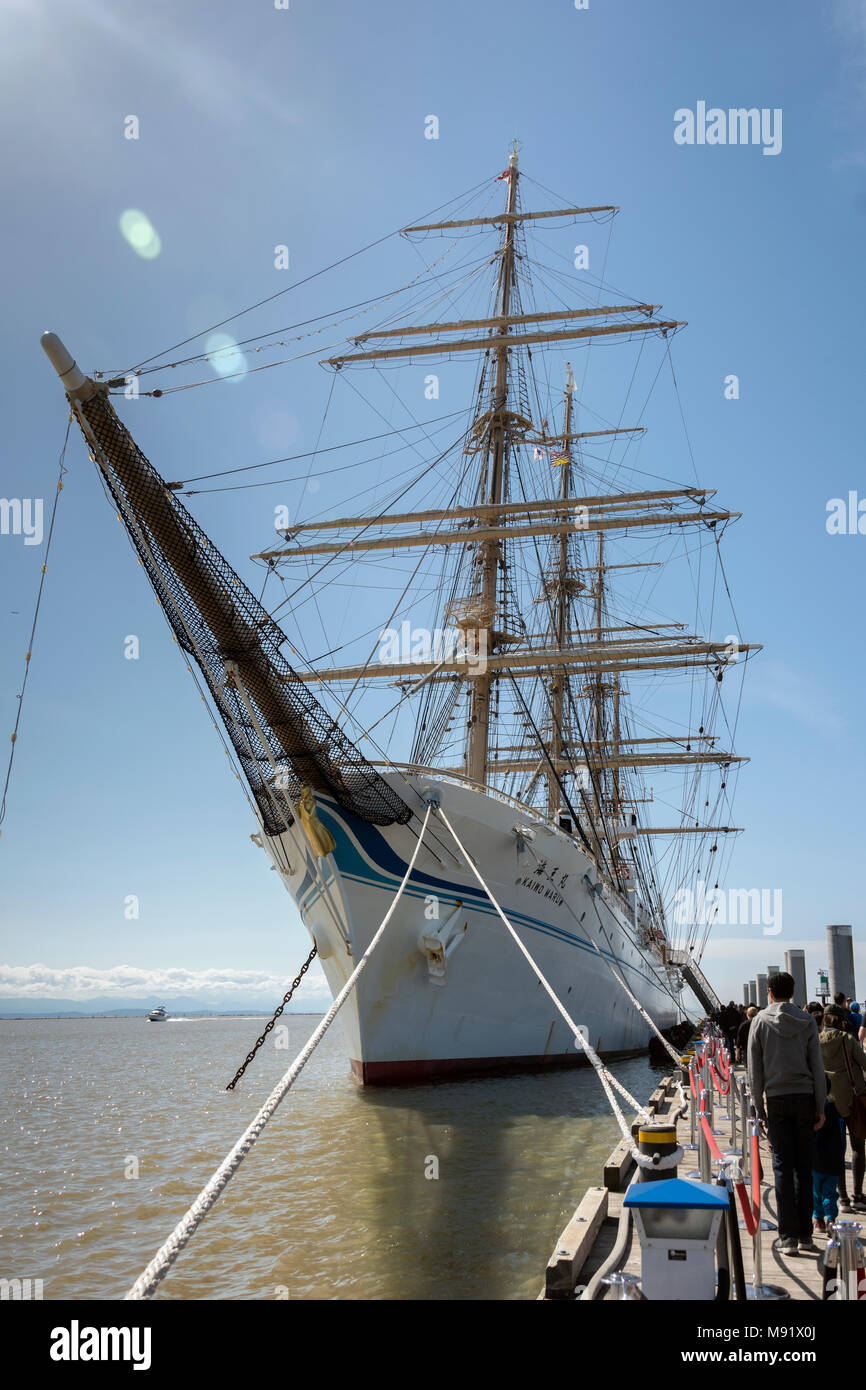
(785, 1067)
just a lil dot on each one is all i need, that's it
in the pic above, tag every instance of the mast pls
(598, 693)
(490, 551)
(563, 608)
(494, 519)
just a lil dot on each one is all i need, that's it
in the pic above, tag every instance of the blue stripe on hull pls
(355, 869)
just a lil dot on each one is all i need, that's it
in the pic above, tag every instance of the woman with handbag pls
(845, 1065)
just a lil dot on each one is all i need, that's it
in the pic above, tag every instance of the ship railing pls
(483, 788)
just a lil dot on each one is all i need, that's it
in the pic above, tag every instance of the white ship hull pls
(412, 1015)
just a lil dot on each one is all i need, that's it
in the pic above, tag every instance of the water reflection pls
(339, 1197)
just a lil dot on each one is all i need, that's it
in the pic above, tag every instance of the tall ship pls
(496, 645)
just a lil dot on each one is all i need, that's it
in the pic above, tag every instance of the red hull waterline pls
(408, 1073)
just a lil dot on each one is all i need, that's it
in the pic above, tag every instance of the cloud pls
(78, 982)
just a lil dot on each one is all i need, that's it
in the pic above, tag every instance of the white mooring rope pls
(606, 1078)
(676, 1056)
(165, 1257)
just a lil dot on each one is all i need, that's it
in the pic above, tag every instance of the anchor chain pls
(251, 1054)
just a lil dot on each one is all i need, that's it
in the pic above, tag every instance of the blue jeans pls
(790, 1124)
(825, 1204)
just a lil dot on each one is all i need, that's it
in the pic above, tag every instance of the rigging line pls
(348, 546)
(376, 411)
(338, 323)
(245, 370)
(305, 281)
(553, 769)
(306, 481)
(478, 265)
(587, 358)
(595, 775)
(680, 404)
(322, 473)
(414, 572)
(562, 198)
(329, 449)
(589, 279)
(606, 1077)
(718, 540)
(336, 315)
(544, 697)
(619, 979)
(283, 813)
(324, 418)
(28, 654)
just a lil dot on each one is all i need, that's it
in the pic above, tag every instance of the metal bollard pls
(704, 1152)
(733, 1173)
(758, 1289)
(830, 1263)
(746, 1147)
(850, 1261)
(657, 1141)
(691, 1146)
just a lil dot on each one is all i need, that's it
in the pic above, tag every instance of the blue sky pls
(305, 127)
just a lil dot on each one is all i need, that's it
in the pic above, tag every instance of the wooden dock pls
(598, 1227)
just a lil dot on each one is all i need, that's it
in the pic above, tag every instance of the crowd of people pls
(807, 1078)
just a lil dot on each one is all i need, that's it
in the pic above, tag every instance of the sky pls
(259, 127)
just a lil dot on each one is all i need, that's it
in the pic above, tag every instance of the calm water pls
(331, 1203)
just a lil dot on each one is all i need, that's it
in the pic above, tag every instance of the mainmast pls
(559, 680)
(490, 551)
(594, 659)
(598, 692)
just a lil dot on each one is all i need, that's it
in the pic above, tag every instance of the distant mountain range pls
(106, 1007)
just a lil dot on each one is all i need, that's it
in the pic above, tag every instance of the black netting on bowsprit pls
(219, 622)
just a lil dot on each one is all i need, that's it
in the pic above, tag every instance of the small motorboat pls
(158, 1015)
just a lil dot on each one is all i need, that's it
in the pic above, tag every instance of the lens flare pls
(140, 233)
(226, 358)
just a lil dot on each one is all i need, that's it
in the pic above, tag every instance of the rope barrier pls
(751, 1208)
(717, 1082)
(708, 1133)
(165, 1257)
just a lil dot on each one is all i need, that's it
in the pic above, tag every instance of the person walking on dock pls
(745, 1028)
(828, 1165)
(786, 1070)
(845, 1064)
